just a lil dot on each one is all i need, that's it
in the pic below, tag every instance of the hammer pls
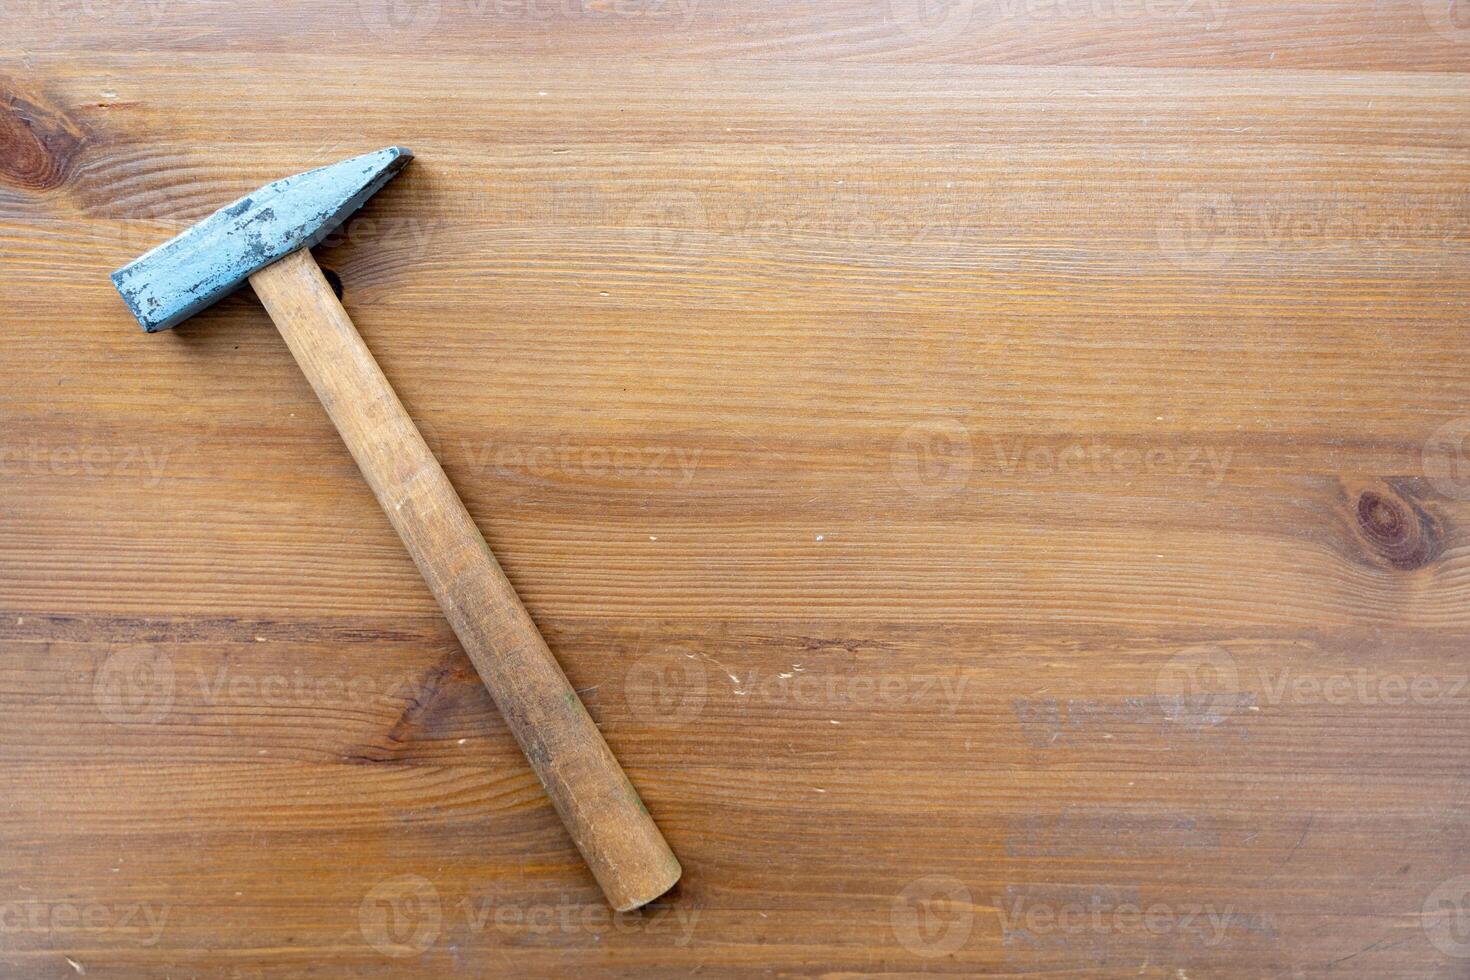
(266, 238)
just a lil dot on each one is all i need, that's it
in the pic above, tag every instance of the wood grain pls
(995, 478)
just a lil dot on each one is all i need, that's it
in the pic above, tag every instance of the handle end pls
(633, 892)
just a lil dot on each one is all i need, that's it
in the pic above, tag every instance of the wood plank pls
(994, 472)
(1332, 34)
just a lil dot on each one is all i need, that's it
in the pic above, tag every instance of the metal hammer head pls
(212, 259)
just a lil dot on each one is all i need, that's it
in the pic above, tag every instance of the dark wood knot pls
(1397, 531)
(39, 145)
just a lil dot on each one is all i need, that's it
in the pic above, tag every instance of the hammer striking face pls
(215, 257)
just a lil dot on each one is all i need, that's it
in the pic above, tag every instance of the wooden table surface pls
(997, 473)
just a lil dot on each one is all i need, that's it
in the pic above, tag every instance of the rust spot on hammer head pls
(39, 143)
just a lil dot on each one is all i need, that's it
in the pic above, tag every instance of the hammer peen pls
(266, 238)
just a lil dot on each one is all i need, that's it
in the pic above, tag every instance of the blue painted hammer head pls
(212, 259)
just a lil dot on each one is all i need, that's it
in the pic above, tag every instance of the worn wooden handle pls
(598, 804)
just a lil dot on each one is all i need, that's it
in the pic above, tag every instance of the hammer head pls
(212, 259)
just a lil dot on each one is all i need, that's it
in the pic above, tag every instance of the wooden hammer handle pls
(598, 804)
